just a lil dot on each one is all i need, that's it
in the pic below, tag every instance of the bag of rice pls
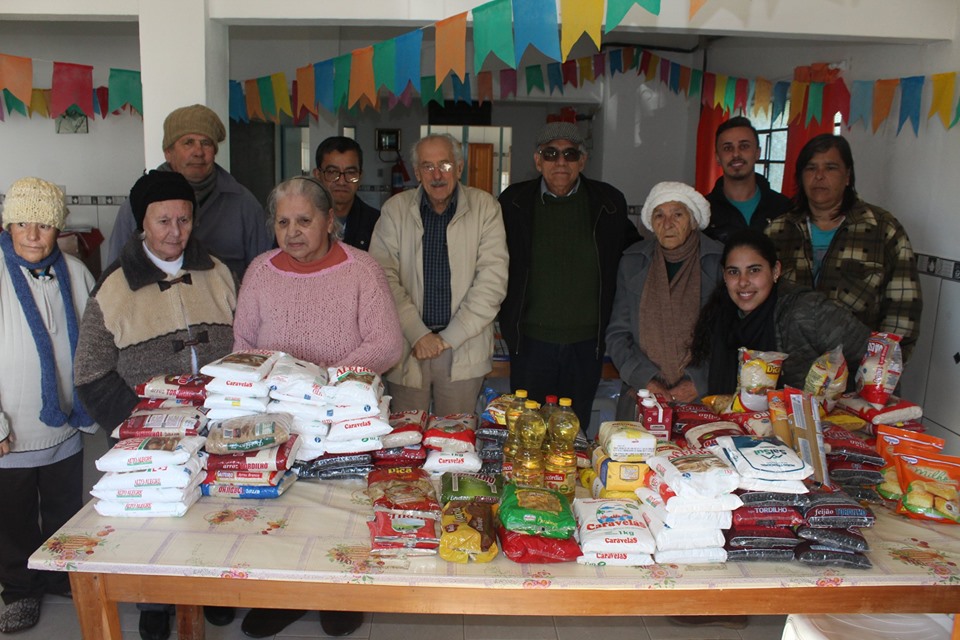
(250, 365)
(759, 373)
(672, 539)
(149, 453)
(455, 433)
(406, 429)
(705, 435)
(353, 385)
(236, 403)
(895, 411)
(184, 387)
(360, 445)
(148, 493)
(272, 459)
(357, 429)
(403, 491)
(164, 477)
(442, 461)
(251, 433)
(695, 473)
(218, 415)
(296, 380)
(468, 532)
(612, 526)
(247, 388)
(879, 372)
(146, 508)
(707, 555)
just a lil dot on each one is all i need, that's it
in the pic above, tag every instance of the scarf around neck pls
(201, 189)
(51, 414)
(669, 309)
(757, 331)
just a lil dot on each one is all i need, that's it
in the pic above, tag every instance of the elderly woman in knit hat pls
(165, 307)
(42, 296)
(661, 284)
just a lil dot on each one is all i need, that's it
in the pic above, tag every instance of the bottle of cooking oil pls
(528, 458)
(510, 446)
(560, 462)
(549, 407)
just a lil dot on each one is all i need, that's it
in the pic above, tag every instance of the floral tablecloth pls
(317, 532)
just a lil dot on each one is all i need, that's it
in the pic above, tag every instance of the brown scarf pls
(669, 309)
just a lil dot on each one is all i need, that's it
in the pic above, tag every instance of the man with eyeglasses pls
(228, 220)
(741, 197)
(565, 233)
(340, 167)
(443, 250)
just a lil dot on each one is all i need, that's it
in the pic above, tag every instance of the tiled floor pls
(58, 620)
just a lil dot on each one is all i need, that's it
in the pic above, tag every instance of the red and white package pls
(655, 414)
(409, 456)
(272, 459)
(247, 388)
(149, 453)
(407, 429)
(753, 423)
(223, 476)
(879, 372)
(687, 415)
(356, 429)
(455, 433)
(184, 387)
(706, 435)
(159, 425)
(750, 517)
(895, 411)
(403, 490)
(353, 385)
(393, 534)
(690, 503)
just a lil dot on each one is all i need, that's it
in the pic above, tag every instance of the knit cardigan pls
(20, 375)
(131, 327)
(343, 314)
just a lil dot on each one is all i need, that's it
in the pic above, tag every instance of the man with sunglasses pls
(565, 234)
(443, 250)
(340, 167)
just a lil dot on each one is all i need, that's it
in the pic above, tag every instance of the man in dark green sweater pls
(565, 234)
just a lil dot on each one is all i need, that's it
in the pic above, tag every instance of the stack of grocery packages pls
(156, 467)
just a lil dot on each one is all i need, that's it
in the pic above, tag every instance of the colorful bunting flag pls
(306, 92)
(617, 10)
(684, 82)
(268, 101)
(570, 72)
(579, 17)
(362, 83)
(14, 103)
(555, 77)
(429, 91)
(762, 95)
(910, 90)
(534, 76)
(696, 5)
(493, 33)
(341, 80)
(535, 23)
(664, 71)
(323, 85)
(461, 89)
(720, 91)
(943, 89)
(730, 94)
(252, 91)
(101, 101)
(39, 104)
(616, 61)
(709, 88)
(281, 96)
(780, 91)
(451, 46)
(72, 84)
(508, 83)
(741, 89)
(238, 108)
(408, 60)
(674, 82)
(652, 64)
(599, 65)
(16, 76)
(696, 81)
(485, 87)
(815, 103)
(585, 66)
(125, 88)
(883, 91)
(385, 65)
(798, 96)
(836, 99)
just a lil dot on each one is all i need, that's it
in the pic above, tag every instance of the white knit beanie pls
(34, 200)
(676, 192)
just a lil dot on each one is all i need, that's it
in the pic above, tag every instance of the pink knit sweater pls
(342, 315)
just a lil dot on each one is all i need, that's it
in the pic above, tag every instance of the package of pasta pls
(251, 433)
(752, 423)
(294, 380)
(468, 532)
(827, 378)
(149, 453)
(455, 433)
(396, 534)
(930, 484)
(271, 459)
(895, 411)
(759, 373)
(249, 365)
(249, 491)
(695, 472)
(880, 369)
(184, 387)
(528, 548)
(403, 490)
(706, 435)
(159, 424)
(537, 511)
(353, 385)
(464, 487)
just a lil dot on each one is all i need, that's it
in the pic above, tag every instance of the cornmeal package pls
(537, 511)
(468, 532)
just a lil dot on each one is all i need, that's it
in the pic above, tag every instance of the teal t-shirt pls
(747, 207)
(820, 241)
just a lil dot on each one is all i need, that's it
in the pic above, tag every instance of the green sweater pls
(563, 293)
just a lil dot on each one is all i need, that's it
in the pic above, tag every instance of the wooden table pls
(309, 549)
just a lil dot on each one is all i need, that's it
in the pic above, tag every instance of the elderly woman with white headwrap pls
(42, 296)
(662, 283)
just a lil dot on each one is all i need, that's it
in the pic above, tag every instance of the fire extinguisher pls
(398, 176)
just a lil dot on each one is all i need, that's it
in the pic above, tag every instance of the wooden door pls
(480, 166)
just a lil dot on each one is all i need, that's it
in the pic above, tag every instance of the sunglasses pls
(552, 154)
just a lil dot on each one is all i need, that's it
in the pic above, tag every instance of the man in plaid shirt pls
(857, 254)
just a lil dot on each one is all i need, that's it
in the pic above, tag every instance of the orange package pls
(930, 485)
(889, 442)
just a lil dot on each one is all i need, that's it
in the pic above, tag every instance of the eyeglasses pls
(552, 154)
(443, 167)
(332, 174)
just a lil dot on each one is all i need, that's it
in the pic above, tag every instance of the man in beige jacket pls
(443, 249)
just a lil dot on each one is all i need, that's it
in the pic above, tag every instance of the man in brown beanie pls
(228, 221)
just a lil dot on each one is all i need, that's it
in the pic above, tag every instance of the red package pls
(879, 372)
(929, 484)
(690, 414)
(222, 476)
(146, 405)
(414, 417)
(412, 456)
(397, 534)
(655, 414)
(533, 549)
(403, 490)
(185, 387)
(752, 517)
(274, 459)
(848, 445)
(159, 425)
(755, 423)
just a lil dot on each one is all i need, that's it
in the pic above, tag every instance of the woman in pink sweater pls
(322, 301)
(316, 298)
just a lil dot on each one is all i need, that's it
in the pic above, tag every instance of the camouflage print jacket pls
(869, 268)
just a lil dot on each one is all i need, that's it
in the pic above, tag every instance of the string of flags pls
(389, 73)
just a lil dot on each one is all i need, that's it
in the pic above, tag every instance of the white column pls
(184, 60)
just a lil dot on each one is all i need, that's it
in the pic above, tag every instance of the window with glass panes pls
(773, 145)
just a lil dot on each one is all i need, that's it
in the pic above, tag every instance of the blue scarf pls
(50, 413)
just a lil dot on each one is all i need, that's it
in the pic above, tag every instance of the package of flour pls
(297, 381)
(353, 385)
(766, 458)
(240, 403)
(358, 445)
(163, 477)
(146, 508)
(250, 365)
(669, 538)
(707, 555)
(611, 526)
(690, 503)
